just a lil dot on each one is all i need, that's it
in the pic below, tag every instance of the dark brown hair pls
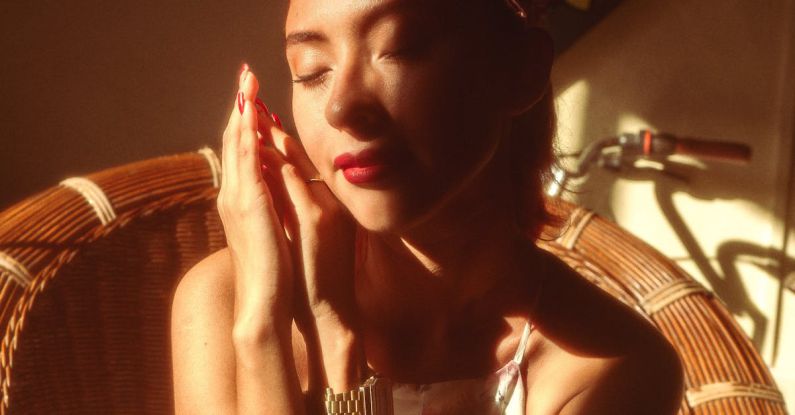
(531, 141)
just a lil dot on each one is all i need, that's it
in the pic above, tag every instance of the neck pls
(455, 256)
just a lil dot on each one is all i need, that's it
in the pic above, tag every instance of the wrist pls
(341, 354)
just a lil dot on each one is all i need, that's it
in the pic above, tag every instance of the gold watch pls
(374, 397)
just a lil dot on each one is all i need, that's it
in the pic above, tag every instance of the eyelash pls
(312, 80)
(316, 79)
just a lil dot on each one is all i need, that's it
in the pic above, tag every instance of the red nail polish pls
(261, 105)
(276, 119)
(241, 102)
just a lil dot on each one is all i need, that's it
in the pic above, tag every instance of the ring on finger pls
(314, 180)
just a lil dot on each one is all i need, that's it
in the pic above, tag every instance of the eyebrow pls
(378, 12)
(296, 38)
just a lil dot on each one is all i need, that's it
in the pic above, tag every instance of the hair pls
(531, 147)
(532, 134)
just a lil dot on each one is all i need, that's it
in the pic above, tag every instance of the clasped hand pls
(291, 241)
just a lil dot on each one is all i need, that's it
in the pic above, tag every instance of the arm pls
(277, 251)
(205, 357)
(232, 313)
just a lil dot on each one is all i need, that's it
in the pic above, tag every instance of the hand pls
(320, 230)
(322, 239)
(255, 236)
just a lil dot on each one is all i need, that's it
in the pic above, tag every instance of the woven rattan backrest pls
(86, 326)
(724, 374)
(88, 269)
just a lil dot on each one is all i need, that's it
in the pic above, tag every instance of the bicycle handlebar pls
(736, 152)
(662, 144)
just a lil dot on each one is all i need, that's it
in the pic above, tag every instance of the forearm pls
(265, 374)
(266, 378)
(334, 355)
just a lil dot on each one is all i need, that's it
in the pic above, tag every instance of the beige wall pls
(710, 68)
(87, 84)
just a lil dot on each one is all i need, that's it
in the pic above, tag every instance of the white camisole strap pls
(519, 356)
(510, 378)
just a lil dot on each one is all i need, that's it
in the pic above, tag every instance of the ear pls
(530, 79)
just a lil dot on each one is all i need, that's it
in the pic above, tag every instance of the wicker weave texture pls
(88, 270)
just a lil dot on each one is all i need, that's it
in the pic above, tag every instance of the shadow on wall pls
(726, 281)
(698, 68)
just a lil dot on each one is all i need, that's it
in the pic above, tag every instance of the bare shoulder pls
(204, 296)
(201, 346)
(596, 355)
(210, 279)
(203, 355)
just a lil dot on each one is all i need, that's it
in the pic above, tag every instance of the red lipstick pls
(367, 166)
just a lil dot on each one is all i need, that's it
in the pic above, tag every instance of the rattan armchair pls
(88, 269)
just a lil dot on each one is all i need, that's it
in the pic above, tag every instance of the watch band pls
(374, 397)
(347, 403)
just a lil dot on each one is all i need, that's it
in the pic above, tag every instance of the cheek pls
(450, 125)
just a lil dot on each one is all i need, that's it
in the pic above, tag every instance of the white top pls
(501, 393)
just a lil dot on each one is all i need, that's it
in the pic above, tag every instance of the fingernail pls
(243, 72)
(241, 102)
(261, 106)
(276, 119)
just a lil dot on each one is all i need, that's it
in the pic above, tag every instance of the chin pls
(379, 211)
(377, 217)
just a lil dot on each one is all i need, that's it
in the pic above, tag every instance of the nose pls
(354, 105)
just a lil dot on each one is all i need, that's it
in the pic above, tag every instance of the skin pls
(423, 277)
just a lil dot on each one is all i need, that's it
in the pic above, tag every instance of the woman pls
(396, 237)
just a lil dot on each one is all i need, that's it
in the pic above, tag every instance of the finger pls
(248, 167)
(298, 195)
(262, 109)
(272, 163)
(300, 192)
(249, 162)
(294, 153)
(249, 85)
(288, 146)
(230, 140)
(230, 149)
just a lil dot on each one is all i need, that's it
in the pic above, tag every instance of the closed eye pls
(312, 80)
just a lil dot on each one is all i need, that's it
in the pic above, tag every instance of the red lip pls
(366, 166)
(364, 158)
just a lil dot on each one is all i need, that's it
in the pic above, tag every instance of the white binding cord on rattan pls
(94, 196)
(215, 165)
(668, 293)
(713, 391)
(15, 270)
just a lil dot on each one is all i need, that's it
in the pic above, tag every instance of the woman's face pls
(394, 102)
